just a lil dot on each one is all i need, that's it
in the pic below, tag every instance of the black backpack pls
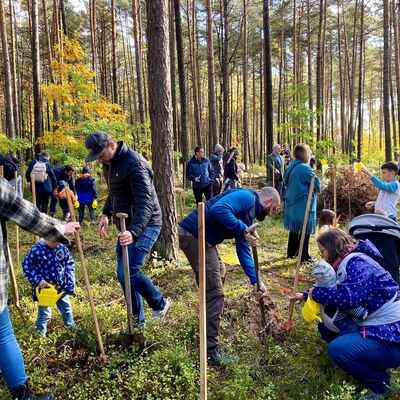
(9, 167)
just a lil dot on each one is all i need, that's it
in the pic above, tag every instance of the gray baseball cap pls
(95, 143)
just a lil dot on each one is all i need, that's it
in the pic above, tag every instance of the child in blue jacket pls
(47, 263)
(87, 193)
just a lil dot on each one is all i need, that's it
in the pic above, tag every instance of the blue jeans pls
(141, 285)
(19, 185)
(366, 359)
(44, 315)
(11, 361)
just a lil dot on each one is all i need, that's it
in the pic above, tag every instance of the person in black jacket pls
(87, 193)
(231, 170)
(130, 190)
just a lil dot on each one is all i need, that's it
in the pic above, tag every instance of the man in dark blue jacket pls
(66, 174)
(130, 190)
(200, 172)
(227, 216)
(43, 189)
(87, 192)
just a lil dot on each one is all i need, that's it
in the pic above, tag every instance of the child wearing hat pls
(87, 193)
(60, 193)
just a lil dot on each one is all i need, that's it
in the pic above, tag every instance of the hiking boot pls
(160, 314)
(23, 393)
(214, 359)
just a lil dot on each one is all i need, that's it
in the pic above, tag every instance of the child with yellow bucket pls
(50, 269)
(343, 322)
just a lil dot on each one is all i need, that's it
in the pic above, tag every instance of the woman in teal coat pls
(297, 180)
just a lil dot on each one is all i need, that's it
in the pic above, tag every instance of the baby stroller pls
(384, 234)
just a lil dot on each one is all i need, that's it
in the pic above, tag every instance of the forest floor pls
(286, 365)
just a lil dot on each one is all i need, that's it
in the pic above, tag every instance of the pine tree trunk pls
(93, 35)
(7, 76)
(386, 83)
(113, 54)
(160, 109)
(173, 74)
(245, 86)
(225, 73)
(14, 77)
(360, 86)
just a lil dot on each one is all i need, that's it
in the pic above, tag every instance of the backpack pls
(9, 167)
(39, 170)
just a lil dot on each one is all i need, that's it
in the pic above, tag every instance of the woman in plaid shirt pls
(27, 216)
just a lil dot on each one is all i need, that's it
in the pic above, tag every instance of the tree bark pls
(160, 109)
(386, 83)
(360, 85)
(245, 86)
(114, 54)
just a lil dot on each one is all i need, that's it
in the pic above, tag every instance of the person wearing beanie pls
(60, 193)
(87, 193)
(216, 158)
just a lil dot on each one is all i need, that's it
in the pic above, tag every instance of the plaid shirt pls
(27, 216)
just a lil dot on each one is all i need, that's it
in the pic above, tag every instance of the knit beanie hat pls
(218, 148)
(85, 170)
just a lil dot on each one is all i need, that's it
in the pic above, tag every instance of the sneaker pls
(214, 359)
(160, 314)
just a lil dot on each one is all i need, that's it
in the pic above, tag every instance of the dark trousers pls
(198, 193)
(217, 186)
(42, 201)
(53, 203)
(294, 244)
(81, 211)
(215, 276)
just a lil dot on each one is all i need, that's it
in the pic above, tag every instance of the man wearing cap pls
(216, 158)
(130, 186)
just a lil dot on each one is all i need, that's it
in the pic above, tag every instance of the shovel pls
(126, 339)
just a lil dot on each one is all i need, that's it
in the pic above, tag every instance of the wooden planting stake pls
(33, 186)
(288, 324)
(85, 275)
(334, 188)
(202, 303)
(16, 226)
(14, 286)
(1, 171)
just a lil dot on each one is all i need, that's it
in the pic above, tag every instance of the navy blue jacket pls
(50, 183)
(217, 164)
(226, 217)
(61, 175)
(86, 189)
(202, 168)
(130, 187)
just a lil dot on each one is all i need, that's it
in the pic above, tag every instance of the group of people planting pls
(359, 298)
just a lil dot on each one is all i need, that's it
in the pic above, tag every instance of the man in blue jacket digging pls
(227, 216)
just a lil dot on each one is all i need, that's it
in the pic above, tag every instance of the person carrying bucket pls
(50, 264)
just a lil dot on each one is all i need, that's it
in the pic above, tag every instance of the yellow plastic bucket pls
(311, 311)
(48, 297)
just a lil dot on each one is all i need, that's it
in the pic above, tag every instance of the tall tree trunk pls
(138, 58)
(360, 85)
(212, 103)
(396, 64)
(225, 72)
(63, 18)
(13, 66)
(173, 74)
(341, 85)
(160, 109)
(36, 75)
(386, 83)
(245, 86)
(7, 75)
(114, 54)
(182, 83)
(93, 35)
(309, 67)
(268, 102)
(320, 72)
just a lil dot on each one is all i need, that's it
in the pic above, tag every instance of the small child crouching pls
(326, 221)
(47, 263)
(60, 192)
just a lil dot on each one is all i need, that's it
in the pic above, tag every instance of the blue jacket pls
(55, 266)
(297, 186)
(202, 168)
(217, 164)
(226, 217)
(86, 189)
(368, 285)
(60, 174)
(50, 183)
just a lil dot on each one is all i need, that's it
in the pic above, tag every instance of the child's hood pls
(368, 248)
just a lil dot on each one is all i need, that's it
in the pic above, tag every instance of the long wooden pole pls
(334, 189)
(202, 303)
(85, 275)
(16, 226)
(298, 266)
(33, 186)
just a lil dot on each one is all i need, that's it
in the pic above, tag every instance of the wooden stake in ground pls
(33, 186)
(16, 226)
(202, 303)
(14, 286)
(288, 324)
(127, 278)
(1, 171)
(334, 188)
(85, 275)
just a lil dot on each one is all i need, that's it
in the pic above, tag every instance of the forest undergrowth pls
(284, 365)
